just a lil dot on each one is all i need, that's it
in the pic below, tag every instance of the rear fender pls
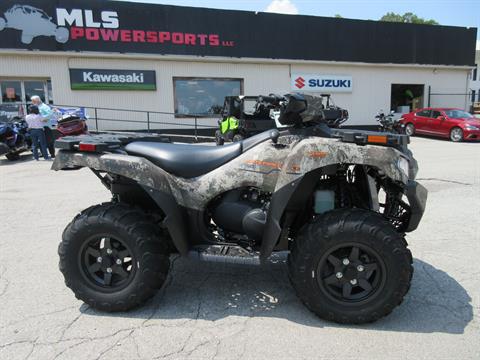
(151, 178)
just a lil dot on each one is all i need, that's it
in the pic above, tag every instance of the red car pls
(455, 124)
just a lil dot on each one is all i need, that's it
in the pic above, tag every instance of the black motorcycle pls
(14, 138)
(387, 123)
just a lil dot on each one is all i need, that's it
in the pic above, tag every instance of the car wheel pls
(237, 138)
(350, 266)
(456, 134)
(410, 129)
(2, 23)
(114, 257)
(61, 35)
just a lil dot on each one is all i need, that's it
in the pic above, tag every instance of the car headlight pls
(403, 165)
(471, 127)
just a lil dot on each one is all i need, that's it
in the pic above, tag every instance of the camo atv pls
(339, 201)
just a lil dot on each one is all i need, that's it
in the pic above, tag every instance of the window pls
(203, 96)
(424, 113)
(34, 88)
(20, 91)
(435, 114)
(475, 73)
(458, 114)
(11, 91)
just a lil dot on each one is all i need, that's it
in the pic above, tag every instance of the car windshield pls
(458, 114)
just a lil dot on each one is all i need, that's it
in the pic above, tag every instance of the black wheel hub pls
(107, 262)
(351, 273)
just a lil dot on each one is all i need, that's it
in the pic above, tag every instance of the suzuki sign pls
(321, 83)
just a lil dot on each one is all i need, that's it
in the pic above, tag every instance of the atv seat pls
(190, 161)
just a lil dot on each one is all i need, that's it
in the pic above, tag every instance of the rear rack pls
(104, 142)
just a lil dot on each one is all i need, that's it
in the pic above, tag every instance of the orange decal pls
(295, 167)
(264, 163)
(317, 154)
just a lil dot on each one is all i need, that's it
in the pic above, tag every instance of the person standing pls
(50, 124)
(36, 122)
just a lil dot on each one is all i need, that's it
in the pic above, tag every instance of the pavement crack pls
(71, 323)
(5, 280)
(445, 180)
(113, 345)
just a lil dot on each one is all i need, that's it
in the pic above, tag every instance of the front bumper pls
(471, 135)
(417, 198)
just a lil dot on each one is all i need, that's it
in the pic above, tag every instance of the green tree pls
(338, 16)
(409, 18)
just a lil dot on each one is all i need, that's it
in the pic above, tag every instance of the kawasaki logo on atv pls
(105, 79)
(324, 83)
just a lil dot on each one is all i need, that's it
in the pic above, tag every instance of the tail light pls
(87, 147)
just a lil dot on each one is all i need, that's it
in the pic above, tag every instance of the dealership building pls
(169, 63)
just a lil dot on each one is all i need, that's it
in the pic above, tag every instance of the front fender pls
(312, 155)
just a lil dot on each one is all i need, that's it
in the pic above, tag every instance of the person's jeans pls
(50, 137)
(38, 139)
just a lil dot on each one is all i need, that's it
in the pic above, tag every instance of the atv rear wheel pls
(113, 257)
(350, 266)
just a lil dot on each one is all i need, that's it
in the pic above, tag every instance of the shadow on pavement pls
(205, 291)
(24, 157)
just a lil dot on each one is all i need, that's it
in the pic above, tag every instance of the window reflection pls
(203, 96)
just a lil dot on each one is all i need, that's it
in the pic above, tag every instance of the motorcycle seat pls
(189, 161)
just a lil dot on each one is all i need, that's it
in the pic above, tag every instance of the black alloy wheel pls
(351, 273)
(107, 262)
(350, 266)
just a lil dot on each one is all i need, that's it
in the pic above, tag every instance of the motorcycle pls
(387, 123)
(71, 121)
(14, 138)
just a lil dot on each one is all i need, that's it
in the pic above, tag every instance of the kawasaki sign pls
(321, 83)
(106, 79)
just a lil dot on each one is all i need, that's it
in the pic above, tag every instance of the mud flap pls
(417, 198)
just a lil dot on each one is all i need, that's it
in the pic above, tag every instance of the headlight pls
(403, 165)
(471, 127)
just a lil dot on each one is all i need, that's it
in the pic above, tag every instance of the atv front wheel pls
(113, 257)
(350, 266)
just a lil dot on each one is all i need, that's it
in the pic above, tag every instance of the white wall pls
(372, 87)
(371, 84)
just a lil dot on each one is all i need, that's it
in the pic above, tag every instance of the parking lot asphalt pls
(235, 312)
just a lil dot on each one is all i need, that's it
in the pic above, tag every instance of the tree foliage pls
(409, 18)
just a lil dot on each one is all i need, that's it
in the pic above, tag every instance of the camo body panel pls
(266, 166)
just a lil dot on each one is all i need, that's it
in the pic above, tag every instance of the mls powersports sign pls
(140, 28)
(105, 26)
(105, 79)
(322, 83)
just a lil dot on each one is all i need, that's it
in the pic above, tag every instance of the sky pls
(464, 13)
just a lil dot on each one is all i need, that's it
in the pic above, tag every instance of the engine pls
(242, 212)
